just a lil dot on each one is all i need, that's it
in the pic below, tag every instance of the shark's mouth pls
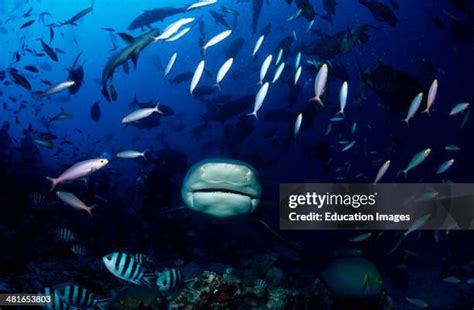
(221, 188)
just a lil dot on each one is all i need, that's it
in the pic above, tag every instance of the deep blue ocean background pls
(135, 196)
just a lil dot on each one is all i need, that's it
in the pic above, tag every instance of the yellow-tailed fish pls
(417, 302)
(416, 160)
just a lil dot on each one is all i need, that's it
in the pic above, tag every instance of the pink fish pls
(431, 96)
(79, 170)
(320, 84)
(71, 200)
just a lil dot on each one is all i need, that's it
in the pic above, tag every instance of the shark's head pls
(221, 188)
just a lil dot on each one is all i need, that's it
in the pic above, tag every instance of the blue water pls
(138, 191)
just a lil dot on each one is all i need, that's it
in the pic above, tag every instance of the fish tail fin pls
(54, 182)
(144, 154)
(103, 304)
(427, 112)
(148, 278)
(406, 121)
(90, 208)
(318, 100)
(404, 172)
(157, 108)
(203, 50)
(397, 245)
(254, 114)
(218, 86)
(341, 112)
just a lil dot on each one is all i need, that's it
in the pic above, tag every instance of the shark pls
(121, 57)
(149, 17)
(222, 188)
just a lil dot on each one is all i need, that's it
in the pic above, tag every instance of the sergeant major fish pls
(169, 280)
(125, 267)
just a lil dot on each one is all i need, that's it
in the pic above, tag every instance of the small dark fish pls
(220, 19)
(27, 24)
(95, 112)
(32, 69)
(42, 16)
(17, 57)
(108, 29)
(20, 79)
(73, 20)
(183, 77)
(28, 13)
(49, 51)
(380, 11)
(51, 34)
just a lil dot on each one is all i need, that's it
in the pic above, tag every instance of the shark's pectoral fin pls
(134, 58)
(126, 37)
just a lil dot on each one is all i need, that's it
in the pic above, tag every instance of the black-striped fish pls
(57, 303)
(78, 297)
(169, 280)
(143, 259)
(126, 267)
(65, 234)
(38, 200)
(79, 249)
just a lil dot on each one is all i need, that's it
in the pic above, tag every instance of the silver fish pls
(57, 88)
(141, 114)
